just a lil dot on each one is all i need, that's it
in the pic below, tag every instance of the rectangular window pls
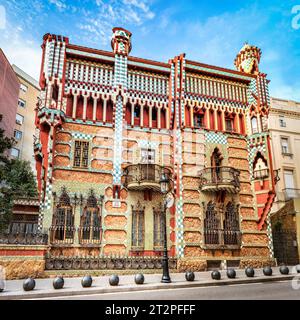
(21, 103)
(198, 121)
(158, 239)
(282, 122)
(137, 232)
(229, 124)
(18, 135)
(23, 87)
(148, 156)
(19, 119)
(285, 145)
(81, 154)
(15, 152)
(289, 179)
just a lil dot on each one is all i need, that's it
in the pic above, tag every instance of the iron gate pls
(285, 246)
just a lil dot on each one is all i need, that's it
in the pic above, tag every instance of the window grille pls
(138, 231)
(159, 223)
(81, 154)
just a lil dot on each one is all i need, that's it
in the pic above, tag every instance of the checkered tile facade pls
(213, 137)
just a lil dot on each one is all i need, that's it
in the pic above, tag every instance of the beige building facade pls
(284, 126)
(25, 117)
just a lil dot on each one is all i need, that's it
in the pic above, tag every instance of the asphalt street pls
(281, 290)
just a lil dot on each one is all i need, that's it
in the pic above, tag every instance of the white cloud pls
(2, 17)
(60, 4)
(24, 53)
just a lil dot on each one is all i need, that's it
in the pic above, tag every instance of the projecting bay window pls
(81, 154)
(158, 236)
(138, 229)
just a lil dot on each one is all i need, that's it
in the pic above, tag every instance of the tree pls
(16, 180)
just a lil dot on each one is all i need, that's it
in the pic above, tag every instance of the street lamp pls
(164, 188)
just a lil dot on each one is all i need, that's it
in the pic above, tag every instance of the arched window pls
(63, 220)
(89, 108)
(231, 225)
(211, 224)
(79, 108)
(109, 111)
(146, 116)
(163, 120)
(90, 222)
(69, 108)
(260, 167)
(254, 125)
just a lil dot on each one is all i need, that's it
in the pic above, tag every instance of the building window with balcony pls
(19, 119)
(90, 222)
(254, 125)
(285, 149)
(290, 191)
(138, 228)
(18, 135)
(282, 122)
(62, 229)
(260, 167)
(81, 154)
(21, 103)
(158, 232)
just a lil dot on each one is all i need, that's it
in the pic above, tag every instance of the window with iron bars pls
(221, 227)
(158, 237)
(138, 230)
(62, 229)
(81, 154)
(90, 222)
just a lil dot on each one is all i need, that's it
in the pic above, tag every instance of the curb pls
(195, 284)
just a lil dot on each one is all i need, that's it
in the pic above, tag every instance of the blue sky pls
(207, 31)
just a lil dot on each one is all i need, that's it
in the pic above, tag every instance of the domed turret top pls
(247, 60)
(121, 41)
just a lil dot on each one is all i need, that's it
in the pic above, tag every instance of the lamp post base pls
(166, 279)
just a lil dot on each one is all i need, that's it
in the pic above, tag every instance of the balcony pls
(222, 239)
(291, 193)
(220, 179)
(144, 176)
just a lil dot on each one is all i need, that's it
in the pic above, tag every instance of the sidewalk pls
(14, 288)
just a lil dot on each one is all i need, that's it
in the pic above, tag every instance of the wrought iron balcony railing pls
(261, 174)
(144, 176)
(220, 178)
(23, 238)
(291, 193)
(222, 238)
(89, 235)
(62, 234)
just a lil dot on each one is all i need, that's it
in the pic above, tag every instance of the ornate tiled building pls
(109, 124)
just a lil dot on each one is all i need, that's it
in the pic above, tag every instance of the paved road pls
(258, 291)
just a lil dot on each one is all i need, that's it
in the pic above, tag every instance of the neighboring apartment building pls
(9, 92)
(25, 118)
(110, 125)
(284, 126)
